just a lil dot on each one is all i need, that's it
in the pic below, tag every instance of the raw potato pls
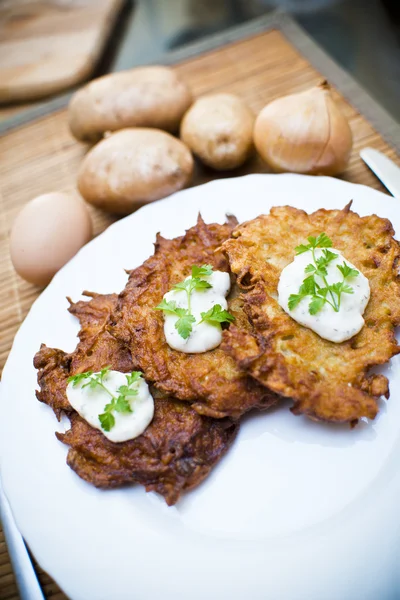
(219, 129)
(132, 167)
(142, 97)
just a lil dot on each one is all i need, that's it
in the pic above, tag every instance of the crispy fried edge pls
(255, 352)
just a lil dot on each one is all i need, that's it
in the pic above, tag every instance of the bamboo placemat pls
(259, 62)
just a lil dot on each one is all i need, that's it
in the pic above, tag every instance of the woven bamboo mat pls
(42, 156)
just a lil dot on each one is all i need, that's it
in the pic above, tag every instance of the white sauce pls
(90, 403)
(330, 325)
(204, 336)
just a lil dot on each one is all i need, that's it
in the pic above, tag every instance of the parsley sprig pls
(330, 294)
(184, 324)
(185, 320)
(216, 314)
(120, 403)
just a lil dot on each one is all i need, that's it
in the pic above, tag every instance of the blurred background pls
(363, 36)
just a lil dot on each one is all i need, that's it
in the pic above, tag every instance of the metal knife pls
(384, 168)
(25, 575)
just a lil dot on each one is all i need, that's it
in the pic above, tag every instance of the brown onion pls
(304, 133)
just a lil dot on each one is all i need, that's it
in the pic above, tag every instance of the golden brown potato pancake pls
(176, 451)
(327, 381)
(211, 381)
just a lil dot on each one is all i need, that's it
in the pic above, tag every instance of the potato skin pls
(142, 97)
(132, 167)
(218, 128)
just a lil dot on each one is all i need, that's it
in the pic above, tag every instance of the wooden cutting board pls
(47, 46)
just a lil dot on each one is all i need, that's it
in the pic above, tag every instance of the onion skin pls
(304, 133)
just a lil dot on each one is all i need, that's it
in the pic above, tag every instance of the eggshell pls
(47, 232)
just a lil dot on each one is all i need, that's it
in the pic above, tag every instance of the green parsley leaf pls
(323, 292)
(347, 289)
(201, 284)
(193, 283)
(127, 392)
(97, 378)
(186, 319)
(92, 383)
(104, 371)
(330, 294)
(183, 285)
(109, 407)
(294, 300)
(328, 255)
(216, 314)
(336, 287)
(308, 286)
(75, 379)
(323, 241)
(323, 261)
(107, 421)
(321, 271)
(347, 271)
(133, 377)
(312, 241)
(203, 271)
(184, 324)
(301, 249)
(122, 404)
(341, 287)
(167, 306)
(316, 304)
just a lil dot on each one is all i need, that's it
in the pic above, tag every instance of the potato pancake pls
(212, 381)
(327, 381)
(176, 451)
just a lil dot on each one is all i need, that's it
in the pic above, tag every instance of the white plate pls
(296, 510)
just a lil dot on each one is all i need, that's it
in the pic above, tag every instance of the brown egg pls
(48, 231)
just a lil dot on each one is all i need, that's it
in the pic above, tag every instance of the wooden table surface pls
(258, 62)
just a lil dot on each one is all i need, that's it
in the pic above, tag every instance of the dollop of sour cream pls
(90, 403)
(328, 324)
(204, 336)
